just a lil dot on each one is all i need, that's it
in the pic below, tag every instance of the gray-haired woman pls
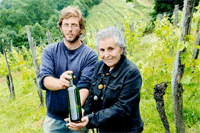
(113, 102)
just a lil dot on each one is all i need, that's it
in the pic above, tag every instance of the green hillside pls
(113, 12)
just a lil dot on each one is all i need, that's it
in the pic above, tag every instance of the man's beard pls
(74, 40)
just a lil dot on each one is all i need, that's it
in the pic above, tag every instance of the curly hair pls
(68, 12)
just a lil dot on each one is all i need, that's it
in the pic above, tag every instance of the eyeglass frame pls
(66, 25)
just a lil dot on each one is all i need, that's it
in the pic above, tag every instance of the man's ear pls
(60, 29)
(82, 30)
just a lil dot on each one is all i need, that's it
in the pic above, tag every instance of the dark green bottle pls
(74, 102)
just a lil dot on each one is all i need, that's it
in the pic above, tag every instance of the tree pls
(22, 38)
(37, 32)
(4, 17)
(167, 6)
(62, 3)
(38, 10)
(7, 35)
(22, 12)
(15, 14)
(86, 5)
(51, 25)
(6, 4)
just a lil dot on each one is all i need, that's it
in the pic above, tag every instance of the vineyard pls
(154, 52)
(110, 13)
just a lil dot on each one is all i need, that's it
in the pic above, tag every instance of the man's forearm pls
(83, 95)
(52, 83)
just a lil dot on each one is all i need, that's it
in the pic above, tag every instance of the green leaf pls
(198, 47)
(181, 45)
(186, 79)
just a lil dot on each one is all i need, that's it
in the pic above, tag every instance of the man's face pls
(71, 29)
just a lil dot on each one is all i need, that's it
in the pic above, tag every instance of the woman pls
(113, 102)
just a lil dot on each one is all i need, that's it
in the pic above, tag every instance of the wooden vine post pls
(11, 46)
(132, 27)
(176, 15)
(159, 92)
(196, 50)
(49, 37)
(9, 76)
(33, 51)
(176, 8)
(159, 16)
(177, 88)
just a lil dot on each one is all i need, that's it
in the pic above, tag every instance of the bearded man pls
(58, 61)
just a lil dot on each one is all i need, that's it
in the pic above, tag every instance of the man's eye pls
(66, 25)
(74, 25)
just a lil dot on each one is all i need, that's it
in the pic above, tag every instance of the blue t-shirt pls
(55, 60)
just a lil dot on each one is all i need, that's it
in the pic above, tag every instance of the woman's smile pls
(109, 52)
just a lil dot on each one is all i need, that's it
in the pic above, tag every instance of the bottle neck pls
(72, 80)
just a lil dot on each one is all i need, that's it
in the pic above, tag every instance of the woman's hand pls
(77, 126)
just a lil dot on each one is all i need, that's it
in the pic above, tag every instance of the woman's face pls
(109, 52)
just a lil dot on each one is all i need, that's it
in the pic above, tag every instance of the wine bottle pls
(74, 102)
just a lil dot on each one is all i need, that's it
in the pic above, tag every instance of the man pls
(58, 61)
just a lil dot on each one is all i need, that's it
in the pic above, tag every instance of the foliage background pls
(151, 46)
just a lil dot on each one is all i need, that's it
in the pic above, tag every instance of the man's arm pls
(54, 84)
(83, 95)
(86, 75)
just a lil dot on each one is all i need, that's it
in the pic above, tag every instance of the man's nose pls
(70, 27)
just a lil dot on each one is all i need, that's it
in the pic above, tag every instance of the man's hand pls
(77, 126)
(53, 83)
(64, 79)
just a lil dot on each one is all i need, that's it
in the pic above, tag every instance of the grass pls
(149, 113)
(23, 113)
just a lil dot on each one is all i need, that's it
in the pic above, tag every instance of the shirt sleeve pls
(129, 96)
(88, 104)
(46, 66)
(87, 71)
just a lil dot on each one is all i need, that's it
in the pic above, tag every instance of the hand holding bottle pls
(77, 126)
(55, 84)
(65, 79)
